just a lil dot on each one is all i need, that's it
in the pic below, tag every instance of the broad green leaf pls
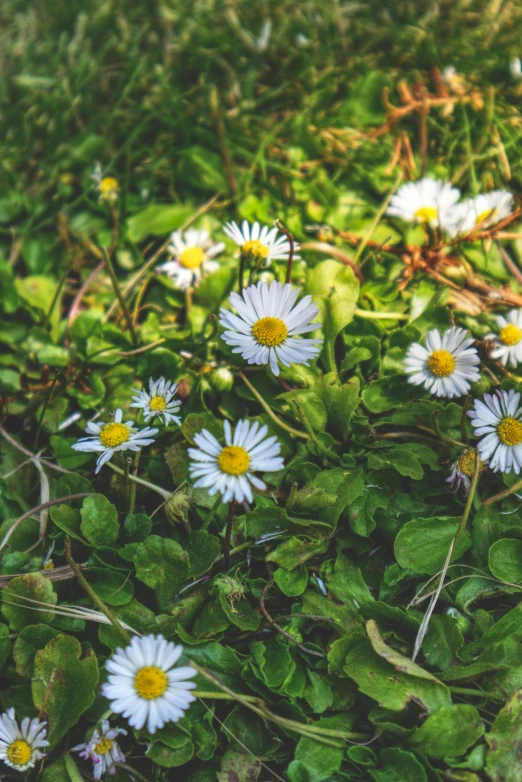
(292, 582)
(504, 761)
(397, 765)
(31, 639)
(448, 731)
(18, 611)
(422, 545)
(505, 560)
(203, 549)
(99, 521)
(157, 220)
(239, 767)
(163, 565)
(73, 675)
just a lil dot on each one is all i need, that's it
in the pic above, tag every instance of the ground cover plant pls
(261, 426)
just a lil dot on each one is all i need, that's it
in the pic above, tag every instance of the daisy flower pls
(145, 686)
(103, 750)
(498, 417)
(112, 437)
(192, 256)
(230, 469)
(426, 201)
(263, 244)
(446, 366)
(267, 327)
(158, 401)
(20, 744)
(462, 470)
(107, 186)
(508, 341)
(483, 211)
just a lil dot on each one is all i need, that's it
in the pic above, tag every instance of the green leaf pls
(203, 549)
(398, 766)
(37, 291)
(295, 552)
(340, 402)
(157, 220)
(311, 406)
(505, 560)
(292, 582)
(68, 520)
(239, 767)
(68, 680)
(406, 459)
(9, 300)
(442, 642)
(18, 611)
(388, 393)
(31, 640)
(114, 588)
(486, 530)
(448, 731)
(137, 526)
(335, 290)
(62, 770)
(422, 545)
(163, 565)
(99, 521)
(504, 760)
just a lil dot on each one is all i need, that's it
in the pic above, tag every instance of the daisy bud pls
(222, 379)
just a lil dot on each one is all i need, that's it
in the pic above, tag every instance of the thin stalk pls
(469, 501)
(370, 315)
(126, 313)
(222, 696)
(163, 492)
(290, 238)
(463, 419)
(503, 494)
(87, 588)
(132, 484)
(228, 533)
(269, 410)
(375, 222)
(132, 770)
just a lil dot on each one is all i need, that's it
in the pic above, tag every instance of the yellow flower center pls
(109, 187)
(157, 403)
(466, 463)
(255, 248)
(426, 214)
(19, 753)
(510, 334)
(49, 565)
(510, 431)
(270, 331)
(441, 363)
(488, 214)
(104, 746)
(114, 434)
(150, 682)
(192, 258)
(233, 460)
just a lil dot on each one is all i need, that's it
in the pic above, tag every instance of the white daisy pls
(515, 68)
(446, 366)
(267, 327)
(103, 750)
(508, 341)
(145, 686)
(230, 469)
(482, 211)
(261, 243)
(107, 186)
(158, 401)
(112, 437)
(192, 257)
(498, 418)
(426, 201)
(462, 470)
(20, 744)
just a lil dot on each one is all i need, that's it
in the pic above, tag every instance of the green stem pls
(375, 222)
(222, 696)
(269, 410)
(119, 296)
(87, 588)
(470, 691)
(163, 492)
(371, 315)
(469, 501)
(133, 484)
(132, 770)
(503, 494)
(463, 419)
(290, 238)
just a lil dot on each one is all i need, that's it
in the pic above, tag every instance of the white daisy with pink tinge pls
(446, 366)
(103, 750)
(146, 685)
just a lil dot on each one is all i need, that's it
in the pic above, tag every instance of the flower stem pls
(290, 238)
(163, 492)
(87, 588)
(503, 494)
(269, 410)
(469, 501)
(119, 296)
(228, 533)
(371, 315)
